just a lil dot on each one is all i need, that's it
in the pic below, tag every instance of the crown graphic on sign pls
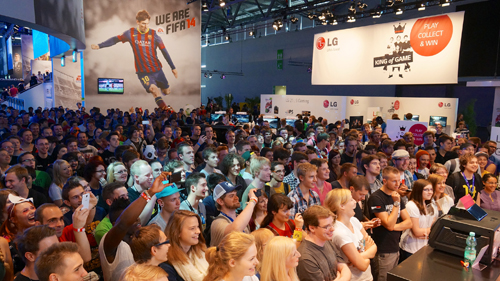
(399, 29)
(402, 129)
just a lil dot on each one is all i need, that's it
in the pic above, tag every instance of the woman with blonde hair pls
(234, 259)
(116, 171)
(350, 239)
(61, 173)
(262, 236)
(144, 272)
(186, 256)
(280, 260)
(442, 200)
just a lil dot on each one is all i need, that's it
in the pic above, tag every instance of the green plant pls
(470, 117)
(218, 100)
(229, 100)
(252, 102)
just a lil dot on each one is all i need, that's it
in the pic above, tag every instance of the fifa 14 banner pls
(412, 51)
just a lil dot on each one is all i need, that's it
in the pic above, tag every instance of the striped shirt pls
(299, 202)
(144, 46)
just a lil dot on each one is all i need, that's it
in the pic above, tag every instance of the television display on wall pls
(110, 85)
(437, 119)
(414, 118)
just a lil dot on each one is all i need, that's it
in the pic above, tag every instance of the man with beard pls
(84, 146)
(227, 202)
(351, 148)
(58, 132)
(115, 252)
(260, 168)
(276, 185)
(186, 155)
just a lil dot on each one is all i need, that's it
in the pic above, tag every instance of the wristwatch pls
(396, 204)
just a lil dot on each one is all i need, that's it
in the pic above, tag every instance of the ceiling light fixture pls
(222, 3)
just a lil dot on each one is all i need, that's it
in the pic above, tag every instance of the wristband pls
(145, 196)
(79, 229)
(198, 144)
(297, 235)
(298, 229)
(255, 200)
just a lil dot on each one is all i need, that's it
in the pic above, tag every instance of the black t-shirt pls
(21, 277)
(387, 241)
(447, 156)
(108, 157)
(358, 213)
(38, 198)
(43, 163)
(344, 158)
(460, 188)
(336, 184)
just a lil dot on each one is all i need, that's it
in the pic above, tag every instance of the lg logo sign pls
(446, 105)
(353, 102)
(321, 42)
(327, 103)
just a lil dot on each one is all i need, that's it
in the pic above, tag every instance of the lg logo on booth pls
(321, 42)
(353, 102)
(441, 104)
(327, 103)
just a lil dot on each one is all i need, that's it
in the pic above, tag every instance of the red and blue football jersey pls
(144, 46)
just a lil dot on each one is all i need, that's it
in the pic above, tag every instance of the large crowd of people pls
(166, 195)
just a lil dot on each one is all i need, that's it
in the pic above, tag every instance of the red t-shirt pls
(288, 232)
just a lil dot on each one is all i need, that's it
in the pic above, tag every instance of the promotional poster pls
(410, 51)
(153, 45)
(397, 128)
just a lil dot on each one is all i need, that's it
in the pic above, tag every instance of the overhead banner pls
(17, 56)
(27, 50)
(397, 128)
(412, 51)
(152, 45)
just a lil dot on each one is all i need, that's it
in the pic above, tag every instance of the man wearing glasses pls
(318, 259)
(276, 185)
(386, 205)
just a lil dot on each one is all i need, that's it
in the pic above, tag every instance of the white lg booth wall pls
(329, 107)
(336, 108)
(386, 106)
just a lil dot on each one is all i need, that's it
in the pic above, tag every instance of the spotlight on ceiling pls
(421, 6)
(362, 5)
(445, 3)
(399, 11)
(322, 16)
(351, 18)
(377, 14)
(204, 6)
(294, 19)
(227, 37)
(251, 33)
(352, 8)
(389, 3)
(209, 75)
(222, 3)
(277, 24)
(223, 76)
(333, 20)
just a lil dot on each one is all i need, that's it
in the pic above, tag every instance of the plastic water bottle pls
(470, 249)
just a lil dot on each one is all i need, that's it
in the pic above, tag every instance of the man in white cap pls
(401, 160)
(227, 202)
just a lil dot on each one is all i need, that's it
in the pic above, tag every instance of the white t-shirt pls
(342, 236)
(55, 192)
(409, 242)
(446, 203)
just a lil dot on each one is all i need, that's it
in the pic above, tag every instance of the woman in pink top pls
(322, 186)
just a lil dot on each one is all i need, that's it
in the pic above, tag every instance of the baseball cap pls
(167, 191)
(247, 155)
(400, 153)
(223, 188)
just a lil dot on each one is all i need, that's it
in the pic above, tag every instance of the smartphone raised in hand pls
(86, 201)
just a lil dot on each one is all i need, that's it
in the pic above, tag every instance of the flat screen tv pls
(242, 118)
(437, 119)
(414, 118)
(215, 116)
(291, 122)
(110, 85)
(273, 122)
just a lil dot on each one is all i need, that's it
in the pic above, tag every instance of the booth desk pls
(429, 264)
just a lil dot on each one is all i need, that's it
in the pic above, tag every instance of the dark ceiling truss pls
(253, 15)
